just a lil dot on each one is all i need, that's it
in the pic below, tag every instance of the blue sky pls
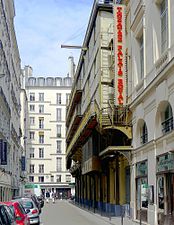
(43, 25)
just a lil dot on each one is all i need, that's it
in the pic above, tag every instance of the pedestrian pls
(53, 197)
(47, 196)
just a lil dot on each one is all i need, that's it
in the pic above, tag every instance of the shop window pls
(161, 192)
(141, 190)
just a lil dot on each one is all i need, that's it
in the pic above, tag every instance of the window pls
(58, 178)
(31, 178)
(59, 143)
(32, 108)
(41, 168)
(41, 153)
(41, 97)
(164, 25)
(52, 178)
(144, 134)
(32, 121)
(32, 135)
(59, 114)
(160, 183)
(59, 130)
(142, 189)
(31, 153)
(59, 100)
(31, 168)
(41, 123)
(32, 81)
(68, 178)
(41, 81)
(41, 108)
(167, 124)
(141, 57)
(32, 97)
(41, 138)
(41, 179)
(58, 164)
(67, 98)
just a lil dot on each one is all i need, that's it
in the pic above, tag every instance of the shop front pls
(165, 189)
(141, 191)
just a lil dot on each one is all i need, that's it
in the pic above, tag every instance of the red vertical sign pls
(119, 54)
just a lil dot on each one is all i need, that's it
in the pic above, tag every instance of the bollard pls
(110, 212)
(122, 215)
(140, 217)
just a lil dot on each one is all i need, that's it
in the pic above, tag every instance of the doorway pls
(165, 185)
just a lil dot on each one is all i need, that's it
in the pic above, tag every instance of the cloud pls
(43, 25)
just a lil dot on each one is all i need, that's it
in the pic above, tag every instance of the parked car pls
(6, 215)
(31, 210)
(41, 201)
(35, 200)
(19, 212)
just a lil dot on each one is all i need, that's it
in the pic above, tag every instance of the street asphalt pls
(65, 213)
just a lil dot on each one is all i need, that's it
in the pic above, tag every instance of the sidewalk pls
(111, 220)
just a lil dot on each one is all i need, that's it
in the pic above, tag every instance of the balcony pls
(113, 117)
(75, 120)
(84, 129)
(167, 125)
(3, 97)
(76, 95)
(92, 164)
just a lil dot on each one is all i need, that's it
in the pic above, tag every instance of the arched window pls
(41, 81)
(50, 81)
(58, 81)
(144, 134)
(67, 81)
(32, 81)
(167, 119)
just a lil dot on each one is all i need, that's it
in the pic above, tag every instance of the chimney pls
(28, 71)
(71, 66)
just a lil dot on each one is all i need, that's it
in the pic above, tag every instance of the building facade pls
(98, 121)
(151, 85)
(47, 101)
(121, 149)
(10, 131)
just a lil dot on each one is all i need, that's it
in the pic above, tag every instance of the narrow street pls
(64, 213)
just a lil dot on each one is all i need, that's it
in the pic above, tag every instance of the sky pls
(41, 27)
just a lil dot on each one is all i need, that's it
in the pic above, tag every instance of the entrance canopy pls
(112, 150)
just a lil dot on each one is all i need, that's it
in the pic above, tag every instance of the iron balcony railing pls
(144, 138)
(167, 125)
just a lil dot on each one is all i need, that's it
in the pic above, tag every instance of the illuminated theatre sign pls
(119, 54)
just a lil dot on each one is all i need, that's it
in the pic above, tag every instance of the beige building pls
(47, 101)
(10, 132)
(116, 166)
(151, 98)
